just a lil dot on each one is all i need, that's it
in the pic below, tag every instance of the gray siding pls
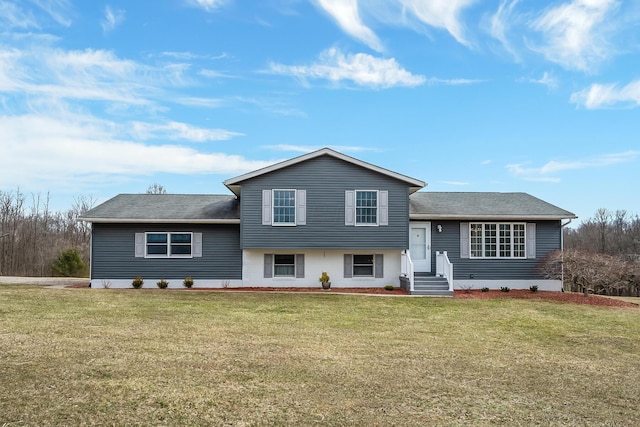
(325, 180)
(113, 247)
(548, 234)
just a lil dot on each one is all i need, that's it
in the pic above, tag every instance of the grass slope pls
(72, 357)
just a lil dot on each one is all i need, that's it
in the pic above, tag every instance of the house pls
(364, 225)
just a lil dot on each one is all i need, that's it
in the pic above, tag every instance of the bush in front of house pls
(137, 282)
(187, 282)
(162, 284)
(389, 287)
(504, 289)
(485, 289)
(69, 264)
(533, 288)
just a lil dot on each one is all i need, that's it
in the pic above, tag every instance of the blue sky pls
(100, 98)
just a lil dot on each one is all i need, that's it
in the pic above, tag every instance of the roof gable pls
(234, 184)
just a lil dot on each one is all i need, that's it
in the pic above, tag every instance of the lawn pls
(162, 357)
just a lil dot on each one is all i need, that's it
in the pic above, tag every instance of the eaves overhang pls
(158, 221)
(427, 217)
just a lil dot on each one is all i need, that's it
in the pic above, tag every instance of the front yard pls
(154, 357)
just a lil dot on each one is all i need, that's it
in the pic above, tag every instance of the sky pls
(101, 98)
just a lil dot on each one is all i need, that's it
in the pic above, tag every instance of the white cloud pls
(208, 5)
(361, 69)
(444, 14)
(11, 16)
(576, 33)
(549, 171)
(455, 183)
(112, 18)
(200, 102)
(441, 14)
(501, 23)
(64, 148)
(96, 75)
(547, 79)
(179, 131)
(346, 14)
(608, 95)
(58, 10)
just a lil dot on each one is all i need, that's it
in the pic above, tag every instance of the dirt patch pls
(570, 297)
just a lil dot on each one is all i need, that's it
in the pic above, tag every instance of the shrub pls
(389, 287)
(162, 284)
(188, 282)
(485, 289)
(137, 282)
(533, 288)
(504, 289)
(69, 264)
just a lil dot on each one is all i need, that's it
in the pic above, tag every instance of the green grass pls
(157, 357)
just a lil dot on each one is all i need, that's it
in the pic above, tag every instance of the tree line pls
(602, 255)
(33, 237)
(36, 241)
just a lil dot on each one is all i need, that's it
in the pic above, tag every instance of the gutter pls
(157, 221)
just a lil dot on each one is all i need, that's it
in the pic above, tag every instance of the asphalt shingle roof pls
(166, 208)
(426, 205)
(223, 208)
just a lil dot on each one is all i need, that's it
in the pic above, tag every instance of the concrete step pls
(446, 293)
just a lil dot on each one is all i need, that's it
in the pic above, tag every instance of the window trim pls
(512, 243)
(169, 244)
(373, 266)
(355, 208)
(279, 276)
(294, 207)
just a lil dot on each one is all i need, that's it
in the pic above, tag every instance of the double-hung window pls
(497, 240)
(363, 265)
(284, 265)
(366, 207)
(284, 207)
(169, 245)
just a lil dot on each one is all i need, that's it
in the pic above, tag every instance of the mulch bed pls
(571, 297)
(568, 297)
(375, 291)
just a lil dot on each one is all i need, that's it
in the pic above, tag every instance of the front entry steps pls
(428, 284)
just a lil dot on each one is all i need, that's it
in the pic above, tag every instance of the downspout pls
(562, 226)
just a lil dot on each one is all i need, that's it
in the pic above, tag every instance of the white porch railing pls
(406, 268)
(444, 268)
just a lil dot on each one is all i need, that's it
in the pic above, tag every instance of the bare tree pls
(156, 188)
(32, 238)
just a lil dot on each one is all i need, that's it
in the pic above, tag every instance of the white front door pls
(420, 246)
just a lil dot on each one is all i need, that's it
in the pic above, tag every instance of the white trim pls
(294, 207)
(497, 237)
(355, 208)
(168, 244)
(542, 284)
(150, 283)
(488, 218)
(233, 183)
(158, 221)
